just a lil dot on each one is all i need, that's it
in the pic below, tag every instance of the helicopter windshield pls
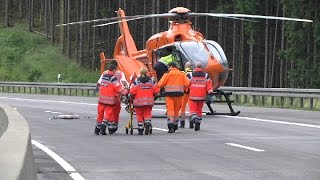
(195, 52)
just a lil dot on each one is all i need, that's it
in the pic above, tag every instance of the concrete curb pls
(16, 158)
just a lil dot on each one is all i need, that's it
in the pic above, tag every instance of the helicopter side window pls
(216, 51)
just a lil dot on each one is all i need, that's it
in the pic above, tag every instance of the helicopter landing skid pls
(219, 93)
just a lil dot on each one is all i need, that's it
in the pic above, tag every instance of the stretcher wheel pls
(127, 130)
(131, 131)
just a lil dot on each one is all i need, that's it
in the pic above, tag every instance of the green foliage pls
(29, 57)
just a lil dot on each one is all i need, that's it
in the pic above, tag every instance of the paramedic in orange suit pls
(121, 78)
(174, 83)
(201, 84)
(143, 91)
(109, 89)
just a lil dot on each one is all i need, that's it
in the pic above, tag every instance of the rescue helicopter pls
(185, 43)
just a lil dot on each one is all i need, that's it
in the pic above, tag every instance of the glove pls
(210, 92)
(97, 89)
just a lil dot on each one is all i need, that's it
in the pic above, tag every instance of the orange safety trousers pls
(117, 109)
(196, 107)
(143, 113)
(183, 105)
(105, 111)
(173, 107)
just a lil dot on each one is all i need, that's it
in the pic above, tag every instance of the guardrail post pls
(245, 99)
(262, 100)
(311, 103)
(282, 101)
(301, 102)
(272, 100)
(291, 101)
(254, 100)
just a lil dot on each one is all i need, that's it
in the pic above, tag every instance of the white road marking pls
(236, 117)
(48, 111)
(274, 121)
(245, 147)
(155, 128)
(66, 166)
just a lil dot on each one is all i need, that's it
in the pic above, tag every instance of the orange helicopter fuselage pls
(130, 60)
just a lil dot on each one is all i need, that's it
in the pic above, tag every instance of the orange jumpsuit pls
(185, 99)
(174, 83)
(143, 90)
(200, 85)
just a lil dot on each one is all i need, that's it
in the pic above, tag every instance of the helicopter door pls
(164, 51)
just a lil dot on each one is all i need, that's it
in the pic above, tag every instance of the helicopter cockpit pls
(193, 51)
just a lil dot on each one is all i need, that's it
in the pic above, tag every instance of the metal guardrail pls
(280, 97)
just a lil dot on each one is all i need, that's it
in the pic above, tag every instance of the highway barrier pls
(16, 157)
(273, 97)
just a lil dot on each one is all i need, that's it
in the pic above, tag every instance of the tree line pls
(266, 53)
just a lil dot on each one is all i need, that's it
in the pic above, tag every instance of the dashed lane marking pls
(245, 147)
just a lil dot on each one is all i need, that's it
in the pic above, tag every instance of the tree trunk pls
(266, 49)
(153, 29)
(29, 16)
(207, 24)
(234, 54)
(241, 54)
(282, 78)
(46, 18)
(250, 60)
(95, 16)
(158, 19)
(52, 20)
(20, 8)
(7, 14)
(81, 34)
(220, 26)
(315, 35)
(196, 18)
(61, 21)
(144, 27)
(68, 30)
(32, 13)
(274, 49)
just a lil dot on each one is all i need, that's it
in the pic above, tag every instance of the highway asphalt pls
(260, 143)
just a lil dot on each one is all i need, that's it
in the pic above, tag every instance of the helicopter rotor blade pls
(131, 18)
(249, 16)
(99, 20)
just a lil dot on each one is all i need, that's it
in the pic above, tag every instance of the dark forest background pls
(267, 53)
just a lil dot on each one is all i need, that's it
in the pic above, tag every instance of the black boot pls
(175, 127)
(147, 128)
(191, 125)
(170, 127)
(197, 126)
(96, 130)
(182, 123)
(103, 129)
